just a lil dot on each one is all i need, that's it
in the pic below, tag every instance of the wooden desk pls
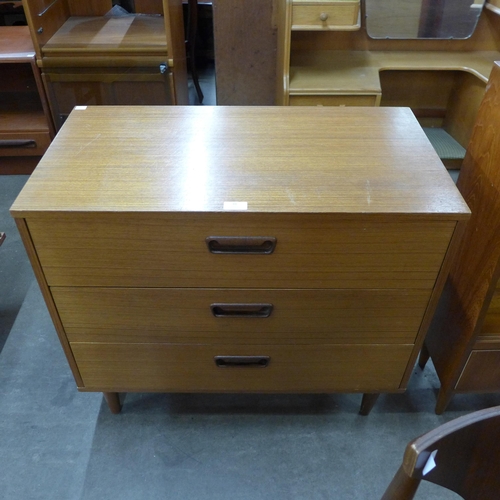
(116, 221)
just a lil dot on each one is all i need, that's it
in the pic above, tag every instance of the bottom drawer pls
(481, 372)
(335, 100)
(192, 368)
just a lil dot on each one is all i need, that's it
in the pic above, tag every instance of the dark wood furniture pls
(245, 38)
(88, 57)
(2, 238)
(461, 455)
(26, 127)
(464, 339)
(240, 249)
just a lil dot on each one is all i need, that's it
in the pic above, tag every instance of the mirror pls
(422, 18)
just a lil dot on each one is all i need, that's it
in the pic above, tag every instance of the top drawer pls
(325, 15)
(170, 250)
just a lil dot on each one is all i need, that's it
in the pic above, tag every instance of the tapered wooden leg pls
(402, 487)
(443, 399)
(424, 356)
(113, 400)
(368, 402)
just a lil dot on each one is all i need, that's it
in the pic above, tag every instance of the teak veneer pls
(263, 249)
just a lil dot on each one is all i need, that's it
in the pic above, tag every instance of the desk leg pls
(367, 403)
(113, 400)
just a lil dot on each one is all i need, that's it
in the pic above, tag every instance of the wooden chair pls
(463, 339)
(462, 455)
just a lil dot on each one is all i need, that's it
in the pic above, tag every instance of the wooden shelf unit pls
(88, 57)
(324, 66)
(26, 128)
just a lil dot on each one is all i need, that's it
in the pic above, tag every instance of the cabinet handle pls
(241, 310)
(242, 361)
(241, 244)
(18, 143)
(323, 16)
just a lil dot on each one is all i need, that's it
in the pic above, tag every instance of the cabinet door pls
(69, 87)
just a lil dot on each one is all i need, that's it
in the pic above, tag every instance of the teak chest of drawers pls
(260, 249)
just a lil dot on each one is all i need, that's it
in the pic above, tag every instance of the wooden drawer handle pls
(242, 361)
(18, 143)
(241, 310)
(323, 16)
(241, 244)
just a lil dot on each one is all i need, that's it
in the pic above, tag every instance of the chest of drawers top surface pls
(273, 159)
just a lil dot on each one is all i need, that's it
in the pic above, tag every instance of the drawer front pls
(258, 316)
(490, 329)
(298, 368)
(334, 100)
(24, 143)
(481, 372)
(170, 250)
(334, 15)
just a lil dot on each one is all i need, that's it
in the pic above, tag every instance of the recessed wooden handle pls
(241, 244)
(242, 361)
(241, 310)
(17, 143)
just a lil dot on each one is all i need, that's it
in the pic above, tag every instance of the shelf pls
(357, 72)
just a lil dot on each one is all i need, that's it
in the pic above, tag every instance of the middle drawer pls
(190, 315)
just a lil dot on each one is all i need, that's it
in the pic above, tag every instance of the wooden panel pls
(481, 372)
(334, 15)
(148, 6)
(334, 100)
(170, 250)
(378, 161)
(463, 107)
(299, 368)
(89, 7)
(491, 324)
(245, 41)
(159, 315)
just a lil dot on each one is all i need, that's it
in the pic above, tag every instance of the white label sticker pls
(430, 464)
(235, 205)
(81, 108)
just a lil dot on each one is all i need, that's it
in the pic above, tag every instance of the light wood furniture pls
(26, 127)
(264, 249)
(442, 81)
(464, 340)
(89, 57)
(460, 455)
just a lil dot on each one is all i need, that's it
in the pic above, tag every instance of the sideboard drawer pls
(26, 143)
(192, 368)
(325, 15)
(170, 250)
(335, 100)
(481, 373)
(265, 316)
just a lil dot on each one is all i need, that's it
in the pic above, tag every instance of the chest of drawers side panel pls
(40, 277)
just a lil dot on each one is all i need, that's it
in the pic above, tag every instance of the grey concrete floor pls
(57, 443)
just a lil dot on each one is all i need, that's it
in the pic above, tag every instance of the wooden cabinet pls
(25, 125)
(326, 58)
(90, 55)
(464, 339)
(265, 249)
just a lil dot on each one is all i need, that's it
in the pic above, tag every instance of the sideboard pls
(241, 249)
